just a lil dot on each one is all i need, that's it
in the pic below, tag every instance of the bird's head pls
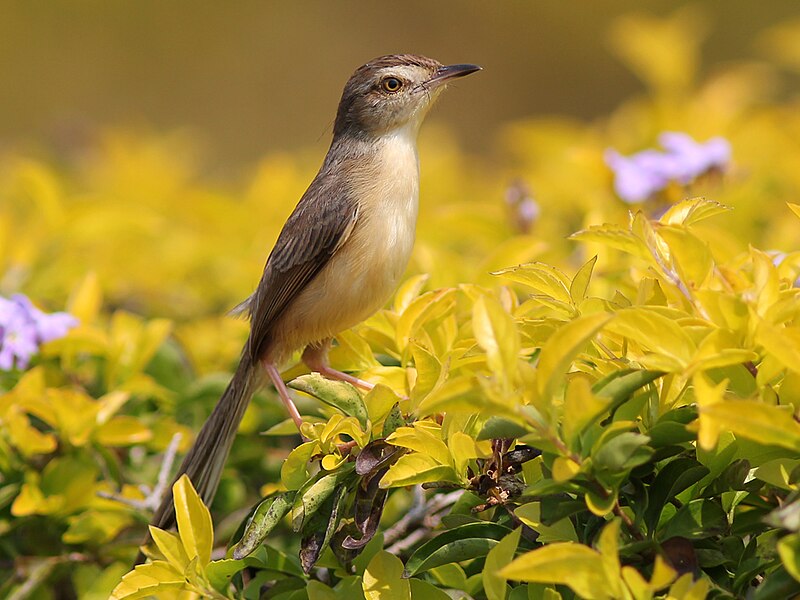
(393, 92)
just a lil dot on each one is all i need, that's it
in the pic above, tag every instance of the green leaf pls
(422, 590)
(623, 452)
(221, 572)
(621, 385)
(498, 557)
(194, 521)
(294, 470)
(265, 518)
(789, 551)
(675, 477)
(310, 497)
(383, 578)
(319, 529)
(497, 428)
(393, 420)
(454, 545)
(338, 394)
(696, 520)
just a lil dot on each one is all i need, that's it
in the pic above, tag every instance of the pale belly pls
(361, 276)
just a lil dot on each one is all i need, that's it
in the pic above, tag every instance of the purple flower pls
(23, 328)
(692, 159)
(639, 176)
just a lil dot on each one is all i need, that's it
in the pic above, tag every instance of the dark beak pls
(446, 73)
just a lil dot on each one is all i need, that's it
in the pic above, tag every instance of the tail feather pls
(206, 459)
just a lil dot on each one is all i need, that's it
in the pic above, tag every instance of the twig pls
(407, 542)
(628, 523)
(414, 515)
(424, 515)
(153, 496)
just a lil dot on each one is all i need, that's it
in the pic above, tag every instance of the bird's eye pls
(391, 84)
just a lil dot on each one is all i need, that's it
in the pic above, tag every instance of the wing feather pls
(316, 229)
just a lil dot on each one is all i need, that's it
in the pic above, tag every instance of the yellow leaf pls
(795, 208)
(570, 564)
(663, 574)
(96, 527)
(383, 578)
(581, 407)
(123, 430)
(614, 236)
(379, 401)
(765, 281)
(170, 545)
(707, 395)
(194, 521)
(638, 586)
(656, 333)
(762, 423)
(86, 300)
(152, 579)
(692, 210)
(408, 291)
(412, 469)
(420, 439)
(720, 348)
(464, 448)
(427, 307)
(497, 334)
(294, 472)
(560, 531)
(564, 469)
(109, 405)
(580, 283)
(429, 373)
(782, 343)
(498, 557)
(608, 546)
(562, 347)
(541, 277)
(690, 255)
(25, 437)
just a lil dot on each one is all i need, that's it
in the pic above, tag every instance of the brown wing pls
(321, 222)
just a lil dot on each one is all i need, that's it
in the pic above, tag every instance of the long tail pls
(205, 461)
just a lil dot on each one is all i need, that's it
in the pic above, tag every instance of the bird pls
(340, 253)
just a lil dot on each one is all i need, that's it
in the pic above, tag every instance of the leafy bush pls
(615, 417)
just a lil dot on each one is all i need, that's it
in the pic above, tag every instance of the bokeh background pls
(253, 77)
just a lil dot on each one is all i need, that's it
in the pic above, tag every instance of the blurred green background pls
(254, 77)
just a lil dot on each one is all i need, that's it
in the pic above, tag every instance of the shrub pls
(614, 417)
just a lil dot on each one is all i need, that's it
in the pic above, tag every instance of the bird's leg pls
(315, 357)
(283, 392)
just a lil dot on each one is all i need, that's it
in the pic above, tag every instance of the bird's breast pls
(379, 248)
(364, 271)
